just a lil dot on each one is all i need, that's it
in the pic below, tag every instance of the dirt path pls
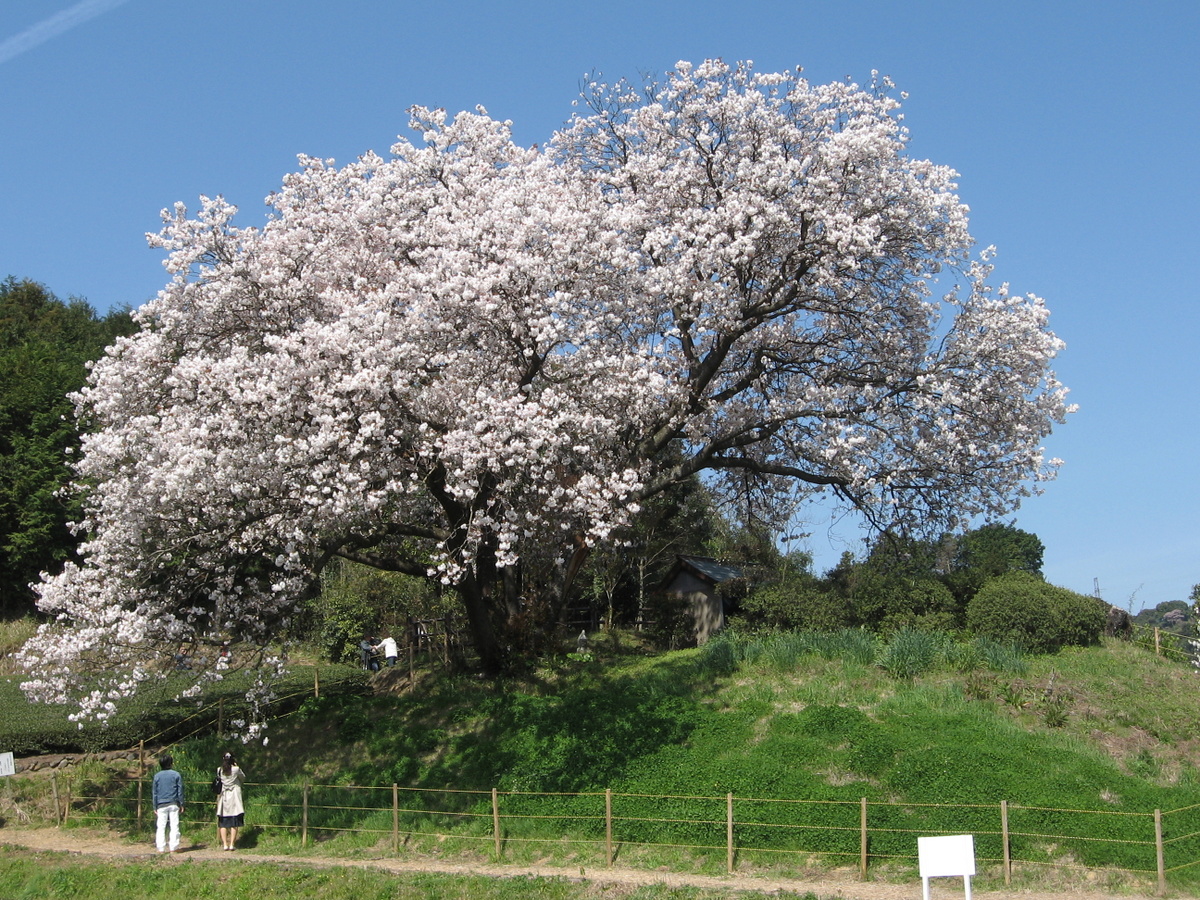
(832, 885)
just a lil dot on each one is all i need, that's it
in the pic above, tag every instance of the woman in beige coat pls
(231, 815)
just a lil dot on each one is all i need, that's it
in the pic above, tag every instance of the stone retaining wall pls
(66, 760)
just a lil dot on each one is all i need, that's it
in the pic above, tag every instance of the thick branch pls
(386, 563)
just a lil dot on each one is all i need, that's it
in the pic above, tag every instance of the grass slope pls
(60, 876)
(826, 726)
(1093, 729)
(1106, 728)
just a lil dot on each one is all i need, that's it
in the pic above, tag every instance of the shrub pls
(794, 605)
(671, 625)
(1040, 617)
(926, 605)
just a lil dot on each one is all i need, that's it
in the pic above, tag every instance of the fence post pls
(496, 820)
(304, 818)
(862, 839)
(141, 770)
(395, 817)
(1157, 641)
(316, 683)
(608, 825)
(1004, 841)
(220, 717)
(1158, 847)
(729, 832)
(54, 789)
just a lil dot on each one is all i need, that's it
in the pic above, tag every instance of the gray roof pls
(710, 569)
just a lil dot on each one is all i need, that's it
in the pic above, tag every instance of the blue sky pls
(1075, 127)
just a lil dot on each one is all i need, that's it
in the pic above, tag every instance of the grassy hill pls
(696, 717)
(932, 733)
(1103, 729)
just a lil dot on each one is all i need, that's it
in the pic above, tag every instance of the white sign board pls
(950, 856)
(7, 766)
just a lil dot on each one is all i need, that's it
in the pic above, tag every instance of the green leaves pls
(45, 345)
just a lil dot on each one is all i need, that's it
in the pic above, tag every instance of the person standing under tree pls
(388, 648)
(366, 653)
(231, 815)
(166, 793)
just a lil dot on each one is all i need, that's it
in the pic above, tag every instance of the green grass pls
(58, 876)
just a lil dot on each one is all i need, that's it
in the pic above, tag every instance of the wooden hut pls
(695, 580)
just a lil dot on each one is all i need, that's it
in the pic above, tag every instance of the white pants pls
(167, 815)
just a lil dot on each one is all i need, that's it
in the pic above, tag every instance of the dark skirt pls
(231, 821)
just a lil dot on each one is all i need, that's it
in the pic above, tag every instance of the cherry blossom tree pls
(472, 361)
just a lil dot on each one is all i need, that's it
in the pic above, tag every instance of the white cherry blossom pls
(472, 360)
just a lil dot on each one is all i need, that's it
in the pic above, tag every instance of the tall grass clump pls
(719, 656)
(910, 653)
(853, 645)
(784, 649)
(13, 635)
(1007, 658)
(962, 658)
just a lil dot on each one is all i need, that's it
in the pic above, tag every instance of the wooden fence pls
(1168, 644)
(600, 826)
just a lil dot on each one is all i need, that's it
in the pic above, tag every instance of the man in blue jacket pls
(167, 795)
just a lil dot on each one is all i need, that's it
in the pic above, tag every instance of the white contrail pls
(54, 26)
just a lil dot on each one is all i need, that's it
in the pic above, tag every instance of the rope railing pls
(213, 713)
(1168, 644)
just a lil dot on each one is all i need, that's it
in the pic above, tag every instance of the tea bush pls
(156, 713)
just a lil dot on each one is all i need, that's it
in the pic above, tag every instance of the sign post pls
(952, 856)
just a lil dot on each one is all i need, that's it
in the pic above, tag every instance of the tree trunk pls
(640, 621)
(483, 632)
